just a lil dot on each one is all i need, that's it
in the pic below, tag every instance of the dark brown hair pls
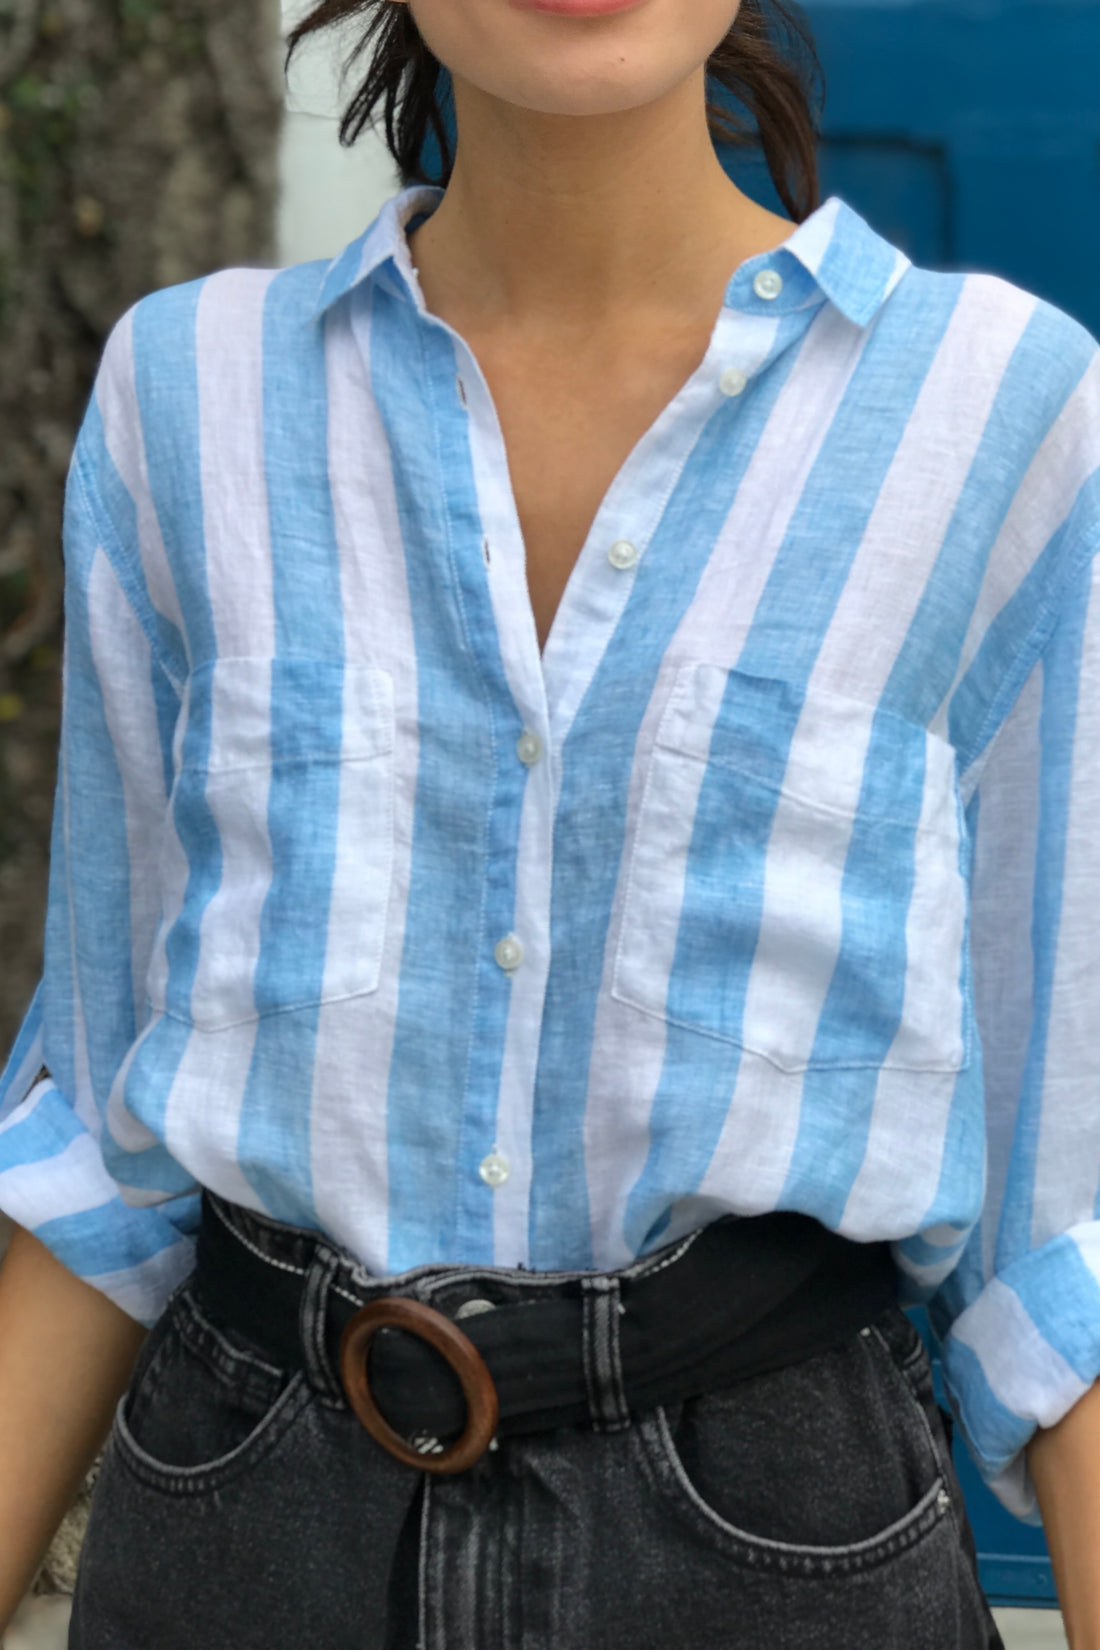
(767, 64)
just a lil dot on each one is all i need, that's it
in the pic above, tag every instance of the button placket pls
(522, 783)
(529, 748)
(623, 555)
(508, 953)
(494, 1169)
(733, 382)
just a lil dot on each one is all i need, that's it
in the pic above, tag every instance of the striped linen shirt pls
(771, 884)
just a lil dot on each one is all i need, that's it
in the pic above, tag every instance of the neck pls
(561, 224)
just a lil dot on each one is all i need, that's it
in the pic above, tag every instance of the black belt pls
(479, 1353)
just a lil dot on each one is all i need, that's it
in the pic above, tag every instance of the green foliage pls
(41, 108)
(14, 590)
(41, 128)
(147, 23)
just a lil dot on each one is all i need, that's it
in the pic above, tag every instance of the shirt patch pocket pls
(278, 853)
(795, 883)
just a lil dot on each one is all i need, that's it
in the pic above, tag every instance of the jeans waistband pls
(739, 1297)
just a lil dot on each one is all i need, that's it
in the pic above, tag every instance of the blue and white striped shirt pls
(771, 884)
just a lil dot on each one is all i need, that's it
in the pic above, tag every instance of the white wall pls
(329, 195)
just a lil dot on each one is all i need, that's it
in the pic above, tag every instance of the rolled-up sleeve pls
(120, 701)
(1019, 1319)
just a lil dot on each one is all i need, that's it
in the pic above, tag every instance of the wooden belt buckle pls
(482, 1401)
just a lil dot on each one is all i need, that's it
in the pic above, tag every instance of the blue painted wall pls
(968, 132)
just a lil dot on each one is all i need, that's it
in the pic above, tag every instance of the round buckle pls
(482, 1403)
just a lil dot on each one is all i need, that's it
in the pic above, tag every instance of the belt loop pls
(312, 1322)
(603, 1366)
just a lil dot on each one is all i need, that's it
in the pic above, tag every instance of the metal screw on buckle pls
(482, 1402)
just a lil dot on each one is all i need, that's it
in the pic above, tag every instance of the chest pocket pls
(276, 879)
(795, 883)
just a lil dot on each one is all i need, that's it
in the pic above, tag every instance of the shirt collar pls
(834, 254)
(837, 255)
(384, 242)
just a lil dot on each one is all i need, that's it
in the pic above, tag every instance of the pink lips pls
(577, 8)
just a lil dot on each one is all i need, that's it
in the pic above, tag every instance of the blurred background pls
(145, 142)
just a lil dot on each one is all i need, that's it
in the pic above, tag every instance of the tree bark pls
(138, 144)
(137, 149)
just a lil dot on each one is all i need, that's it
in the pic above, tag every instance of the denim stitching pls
(345, 1294)
(767, 1553)
(313, 1321)
(615, 1312)
(602, 1357)
(269, 1260)
(434, 1276)
(640, 1269)
(143, 1382)
(198, 1481)
(903, 1376)
(240, 1367)
(433, 1576)
(587, 1360)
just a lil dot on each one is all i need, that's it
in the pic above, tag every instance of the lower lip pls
(577, 8)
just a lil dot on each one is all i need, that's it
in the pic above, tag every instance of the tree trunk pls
(137, 149)
(138, 145)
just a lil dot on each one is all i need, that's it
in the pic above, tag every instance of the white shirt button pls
(768, 284)
(508, 953)
(461, 387)
(733, 381)
(529, 748)
(494, 1169)
(623, 555)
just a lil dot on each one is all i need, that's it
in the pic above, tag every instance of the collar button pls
(768, 284)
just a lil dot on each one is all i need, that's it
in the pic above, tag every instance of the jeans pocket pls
(828, 1463)
(904, 1346)
(203, 1405)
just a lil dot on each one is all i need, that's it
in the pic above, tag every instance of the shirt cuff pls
(1022, 1355)
(53, 1182)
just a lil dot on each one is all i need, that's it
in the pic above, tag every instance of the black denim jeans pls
(243, 1506)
